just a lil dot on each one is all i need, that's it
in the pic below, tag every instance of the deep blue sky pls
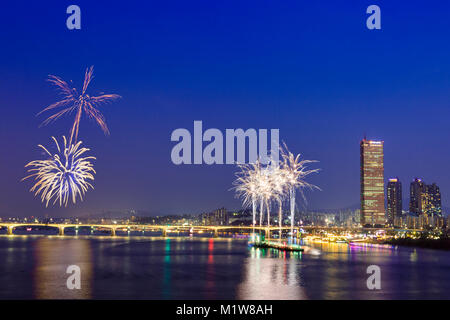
(310, 68)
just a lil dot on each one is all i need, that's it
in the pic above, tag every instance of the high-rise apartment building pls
(217, 217)
(425, 199)
(416, 196)
(221, 216)
(372, 183)
(434, 205)
(394, 200)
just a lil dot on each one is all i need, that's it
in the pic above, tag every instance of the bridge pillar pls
(164, 232)
(10, 230)
(216, 233)
(60, 231)
(113, 232)
(267, 233)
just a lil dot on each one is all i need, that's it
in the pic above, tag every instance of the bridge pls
(142, 227)
(165, 229)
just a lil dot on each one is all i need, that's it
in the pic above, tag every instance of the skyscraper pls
(433, 201)
(372, 183)
(425, 199)
(394, 200)
(416, 196)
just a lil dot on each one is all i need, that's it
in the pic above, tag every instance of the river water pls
(34, 267)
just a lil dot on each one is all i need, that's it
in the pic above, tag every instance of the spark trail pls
(64, 176)
(78, 103)
(274, 182)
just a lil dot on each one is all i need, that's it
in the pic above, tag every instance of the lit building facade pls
(394, 201)
(416, 196)
(433, 204)
(372, 183)
(221, 217)
(425, 199)
(217, 217)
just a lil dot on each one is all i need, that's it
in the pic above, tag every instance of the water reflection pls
(166, 271)
(210, 272)
(272, 274)
(202, 268)
(51, 259)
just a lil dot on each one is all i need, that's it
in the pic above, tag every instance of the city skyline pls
(405, 207)
(322, 90)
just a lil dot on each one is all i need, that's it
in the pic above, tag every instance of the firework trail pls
(265, 192)
(78, 103)
(295, 173)
(64, 175)
(274, 182)
(279, 185)
(246, 186)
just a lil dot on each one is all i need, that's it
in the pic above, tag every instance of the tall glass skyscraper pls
(394, 200)
(434, 205)
(372, 183)
(416, 196)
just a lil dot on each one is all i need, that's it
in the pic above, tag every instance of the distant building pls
(416, 196)
(437, 222)
(433, 204)
(412, 222)
(217, 217)
(401, 222)
(372, 183)
(242, 217)
(425, 199)
(394, 201)
(221, 217)
(424, 221)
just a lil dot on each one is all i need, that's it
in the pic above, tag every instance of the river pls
(34, 267)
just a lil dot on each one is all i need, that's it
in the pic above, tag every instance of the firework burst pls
(295, 173)
(246, 185)
(279, 186)
(274, 182)
(64, 175)
(78, 103)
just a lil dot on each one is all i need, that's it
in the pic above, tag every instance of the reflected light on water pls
(51, 259)
(205, 268)
(413, 256)
(210, 273)
(272, 274)
(167, 271)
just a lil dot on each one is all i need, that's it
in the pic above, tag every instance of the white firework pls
(274, 182)
(64, 175)
(246, 186)
(295, 173)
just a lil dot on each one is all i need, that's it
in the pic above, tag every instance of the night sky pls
(310, 68)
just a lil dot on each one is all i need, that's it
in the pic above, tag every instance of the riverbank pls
(439, 244)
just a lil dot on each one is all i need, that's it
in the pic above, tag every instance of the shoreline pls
(437, 244)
